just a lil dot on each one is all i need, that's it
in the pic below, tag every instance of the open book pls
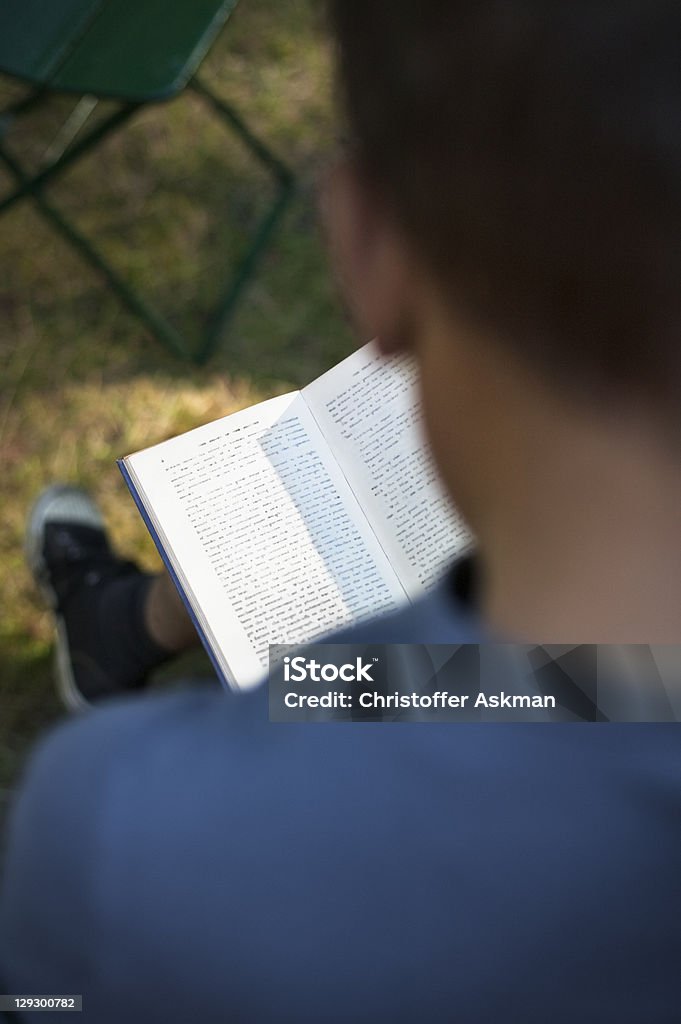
(300, 515)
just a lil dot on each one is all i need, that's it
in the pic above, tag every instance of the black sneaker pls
(89, 589)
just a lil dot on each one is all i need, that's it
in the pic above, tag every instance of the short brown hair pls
(532, 151)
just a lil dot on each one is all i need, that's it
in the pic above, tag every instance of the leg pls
(166, 618)
(114, 623)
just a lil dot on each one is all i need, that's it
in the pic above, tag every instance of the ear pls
(370, 258)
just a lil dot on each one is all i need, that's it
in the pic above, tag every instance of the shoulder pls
(88, 775)
(73, 774)
(123, 776)
(113, 811)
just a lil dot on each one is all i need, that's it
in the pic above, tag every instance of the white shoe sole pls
(74, 505)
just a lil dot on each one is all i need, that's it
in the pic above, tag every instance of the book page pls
(264, 533)
(368, 409)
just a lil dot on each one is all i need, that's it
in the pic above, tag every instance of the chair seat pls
(138, 51)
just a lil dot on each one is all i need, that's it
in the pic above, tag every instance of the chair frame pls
(32, 187)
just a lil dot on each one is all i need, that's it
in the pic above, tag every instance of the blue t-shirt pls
(178, 858)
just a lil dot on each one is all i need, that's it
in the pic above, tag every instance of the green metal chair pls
(135, 52)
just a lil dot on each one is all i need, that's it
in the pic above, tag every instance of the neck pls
(583, 543)
(577, 511)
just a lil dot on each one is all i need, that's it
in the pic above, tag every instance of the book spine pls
(136, 497)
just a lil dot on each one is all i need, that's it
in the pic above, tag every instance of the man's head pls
(515, 171)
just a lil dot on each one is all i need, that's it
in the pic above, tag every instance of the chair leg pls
(158, 326)
(32, 185)
(127, 295)
(285, 184)
(71, 127)
(242, 275)
(10, 113)
(227, 112)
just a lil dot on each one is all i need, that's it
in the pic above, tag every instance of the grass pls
(170, 199)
